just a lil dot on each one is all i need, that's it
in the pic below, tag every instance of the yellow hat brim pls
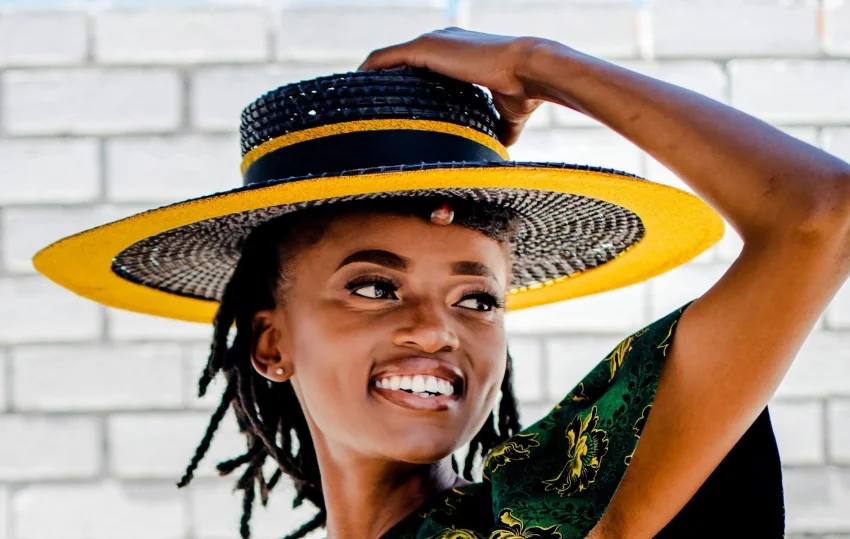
(678, 225)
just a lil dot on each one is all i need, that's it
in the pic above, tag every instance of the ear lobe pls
(266, 356)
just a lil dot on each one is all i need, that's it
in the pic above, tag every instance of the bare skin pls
(789, 201)
(340, 326)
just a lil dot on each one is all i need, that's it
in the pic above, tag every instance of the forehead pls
(414, 238)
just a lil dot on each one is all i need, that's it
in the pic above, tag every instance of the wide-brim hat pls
(389, 133)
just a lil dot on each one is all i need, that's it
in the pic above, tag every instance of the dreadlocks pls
(268, 413)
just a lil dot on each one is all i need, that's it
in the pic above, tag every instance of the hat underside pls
(583, 230)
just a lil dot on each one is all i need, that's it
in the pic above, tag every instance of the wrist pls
(543, 68)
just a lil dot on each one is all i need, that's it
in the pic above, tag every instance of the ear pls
(266, 349)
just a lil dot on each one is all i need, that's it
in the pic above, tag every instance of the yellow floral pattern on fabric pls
(586, 447)
(615, 359)
(459, 534)
(510, 527)
(518, 447)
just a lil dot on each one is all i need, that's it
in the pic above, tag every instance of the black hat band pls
(365, 144)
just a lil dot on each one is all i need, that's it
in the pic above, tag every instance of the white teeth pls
(418, 385)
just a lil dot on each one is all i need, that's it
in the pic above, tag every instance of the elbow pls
(828, 217)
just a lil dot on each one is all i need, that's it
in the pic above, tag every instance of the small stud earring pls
(279, 371)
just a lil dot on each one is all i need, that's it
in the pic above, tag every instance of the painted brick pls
(130, 326)
(4, 381)
(42, 38)
(90, 101)
(215, 511)
(162, 444)
(109, 510)
(33, 309)
(527, 356)
(30, 229)
(196, 362)
(587, 146)
(838, 412)
(530, 413)
(218, 94)
(350, 33)
(181, 36)
(66, 447)
(836, 140)
(838, 313)
(822, 367)
(817, 499)
(171, 169)
(614, 311)
(97, 377)
(68, 170)
(792, 92)
(571, 358)
(721, 30)
(673, 289)
(602, 30)
(729, 248)
(798, 426)
(5, 522)
(836, 28)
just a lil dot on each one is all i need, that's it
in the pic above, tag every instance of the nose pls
(426, 329)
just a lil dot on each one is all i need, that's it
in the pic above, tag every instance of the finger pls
(393, 56)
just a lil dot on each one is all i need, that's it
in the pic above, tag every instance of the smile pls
(422, 386)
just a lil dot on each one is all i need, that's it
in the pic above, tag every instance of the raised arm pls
(789, 201)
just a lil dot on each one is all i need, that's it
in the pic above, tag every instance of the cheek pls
(332, 365)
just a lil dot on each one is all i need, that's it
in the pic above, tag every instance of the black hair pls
(268, 413)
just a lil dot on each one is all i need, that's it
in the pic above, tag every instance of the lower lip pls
(404, 399)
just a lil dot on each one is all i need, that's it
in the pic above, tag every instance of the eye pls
(373, 287)
(480, 301)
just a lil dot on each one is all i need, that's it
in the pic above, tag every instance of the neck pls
(365, 497)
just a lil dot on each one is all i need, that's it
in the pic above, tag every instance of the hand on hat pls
(488, 60)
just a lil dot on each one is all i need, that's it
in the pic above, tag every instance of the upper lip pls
(421, 364)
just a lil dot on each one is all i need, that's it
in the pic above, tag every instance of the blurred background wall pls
(107, 109)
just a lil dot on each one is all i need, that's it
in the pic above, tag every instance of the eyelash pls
(483, 294)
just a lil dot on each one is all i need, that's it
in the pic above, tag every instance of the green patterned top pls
(554, 479)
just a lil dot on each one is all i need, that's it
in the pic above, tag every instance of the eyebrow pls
(400, 263)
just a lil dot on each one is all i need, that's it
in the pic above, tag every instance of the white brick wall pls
(837, 29)
(170, 169)
(838, 412)
(607, 30)
(28, 39)
(68, 170)
(39, 447)
(33, 310)
(731, 29)
(90, 101)
(89, 377)
(107, 510)
(178, 36)
(108, 111)
(161, 445)
(792, 91)
(350, 33)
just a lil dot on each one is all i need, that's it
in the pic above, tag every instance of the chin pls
(421, 448)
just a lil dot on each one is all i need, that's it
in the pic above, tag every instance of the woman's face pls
(379, 301)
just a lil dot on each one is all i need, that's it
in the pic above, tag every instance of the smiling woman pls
(380, 235)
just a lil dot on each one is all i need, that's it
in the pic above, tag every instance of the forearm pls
(761, 180)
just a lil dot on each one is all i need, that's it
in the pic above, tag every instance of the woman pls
(371, 332)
